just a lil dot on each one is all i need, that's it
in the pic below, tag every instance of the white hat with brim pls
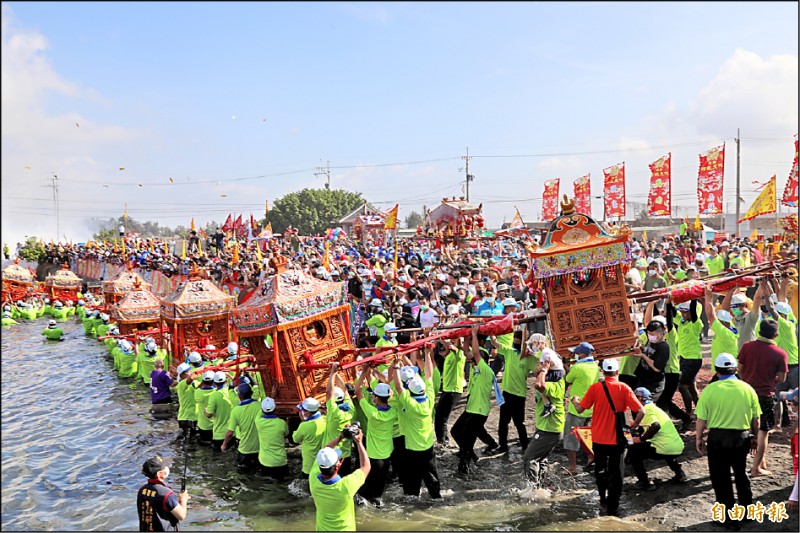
(328, 457)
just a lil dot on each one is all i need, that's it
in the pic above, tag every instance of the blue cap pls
(644, 393)
(244, 389)
(583, 348)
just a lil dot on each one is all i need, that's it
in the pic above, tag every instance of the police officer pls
(159, 509)
(729, 408)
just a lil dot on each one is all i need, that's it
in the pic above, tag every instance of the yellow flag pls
(516, 222)
(152, 247)
(266, 207)
(754, 235)
(200, 248)
(183, 255)
(258, 253)
(644, 235)
(766, 203)
(191, 227)
(125, 214)
(391, 218)
(124, 250)
(235, 259)
(326, 261)
(697, 224)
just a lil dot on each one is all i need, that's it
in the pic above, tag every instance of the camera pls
(352, 430)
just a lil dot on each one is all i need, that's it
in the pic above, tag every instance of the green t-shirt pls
(376, 325)
(9, 321)
(381, 430)
(453, 373)
(437, 380)
(728, 404)
(147, 364)
(337, 419)
(506, 341)
(101, 330)
(674, 362)
(481, 385)
(418, 415)
(581, 376)
(724, 341)
(334, 502)
(272, 433)
(715, 265)
(310, 434)
(515, 373)
(127, 365)
(243, 416)
(219, 405)
(53, 334)
(679, 275)
(187, 409)
(201, 397)
(667, 441)
(555, 422)
(787, 339)
(689, 339)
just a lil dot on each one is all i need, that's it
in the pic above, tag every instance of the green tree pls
(312, 211)
(32, 250)
(413, 220)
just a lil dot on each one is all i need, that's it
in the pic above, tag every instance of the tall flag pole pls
(790, 190)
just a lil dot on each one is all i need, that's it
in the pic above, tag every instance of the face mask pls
(651, 272)
(166, 472)
(393, 335)
(652, 338)
(490, 300)
(423, 307)
(737, 311)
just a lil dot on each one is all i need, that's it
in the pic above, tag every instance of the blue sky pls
(212, 94)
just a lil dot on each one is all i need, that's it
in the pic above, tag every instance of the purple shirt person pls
(160, 382)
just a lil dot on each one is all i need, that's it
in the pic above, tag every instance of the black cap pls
(154, 465)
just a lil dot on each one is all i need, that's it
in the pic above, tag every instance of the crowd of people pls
(394, 420)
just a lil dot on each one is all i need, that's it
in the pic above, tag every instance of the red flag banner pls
(659, 200)
(614, 191)
(550, 200)
(790, 190)
(710, 179)
(228, 225)
(238, 222)
(583, 195)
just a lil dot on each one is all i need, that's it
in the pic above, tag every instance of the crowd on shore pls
(403, 407)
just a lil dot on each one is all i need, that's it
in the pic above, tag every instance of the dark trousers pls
(512, 409)
(609, 472)
(275, 472)
(704, 320)
(468, 428)
(665, 400)
(421, 467)
(637, 453)
(375, 483)
(722, 458)
(443, 409)
(398, 457)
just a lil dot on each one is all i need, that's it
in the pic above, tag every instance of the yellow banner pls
(391, 218)
(766, 203)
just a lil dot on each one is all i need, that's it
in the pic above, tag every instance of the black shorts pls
(247, 462)
(205, 435)
(689, 370)
(275, 472)
(767, 420)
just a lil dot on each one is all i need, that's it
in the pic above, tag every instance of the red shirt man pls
(761, 365)
(603, 421)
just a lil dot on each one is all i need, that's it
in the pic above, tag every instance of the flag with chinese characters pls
(583, 195)
(516, 222)
(710, 179)
(766, 203)
(790, 190)
(659, 199)
(550, 200)
(391, 218)
(614, 191)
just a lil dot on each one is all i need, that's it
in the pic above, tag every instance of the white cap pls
(453, 309)
(684, 307)
(183, 367)
(738, 299)
(126, 346)
(268, 405)
(51, 323)
(389, 326)
(338, 394)
(210, 347)
(334, 272)
(151, 347)
(441, 277)
(724, 315)
(104, 317)
(220, 377)
(383, 390)
(208, 375)
(376, 302)
(416, 385)
(233, 348)
(725, 360)
(195, 357)
(310, 404)
(377, 272)
(725, 243)
(406, 373)
(663, 320)
(328, 457)
(463, 281)
(783, 308)
(610, 365)
(503, 287)
(509, 302)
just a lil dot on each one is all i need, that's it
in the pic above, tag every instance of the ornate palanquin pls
(63, 285)
(197, 314)
(18, 282)
(581, 268)
(308, 320)
(114, 290)
(138, 310)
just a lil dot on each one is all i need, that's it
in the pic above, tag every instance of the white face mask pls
(166, 472)
(653, 338)
(651, 272)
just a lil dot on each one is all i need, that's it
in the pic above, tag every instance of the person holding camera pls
(332, 493)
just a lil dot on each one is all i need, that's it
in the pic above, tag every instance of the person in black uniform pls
(158, 506)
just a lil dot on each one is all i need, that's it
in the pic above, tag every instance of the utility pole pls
(469, 176)
(54, 185)
(738, 184)
(319, 171)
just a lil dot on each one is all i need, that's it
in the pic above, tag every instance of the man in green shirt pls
(452, 387)
(674, 273)
(218, 409)
(52, 332)
(416, 402)
(7, 320)
(340, 414)
(243, 417)
(660, 440)
(690, 352)
(187, 409)
(380, 437)
(310, 434)
(550, 385)
(582, 375)
(515, 387)
(726, 337)
(205, 427)
(127, 360)
(272, 433)
(470, 425)
(333, 494)
(715, 262)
